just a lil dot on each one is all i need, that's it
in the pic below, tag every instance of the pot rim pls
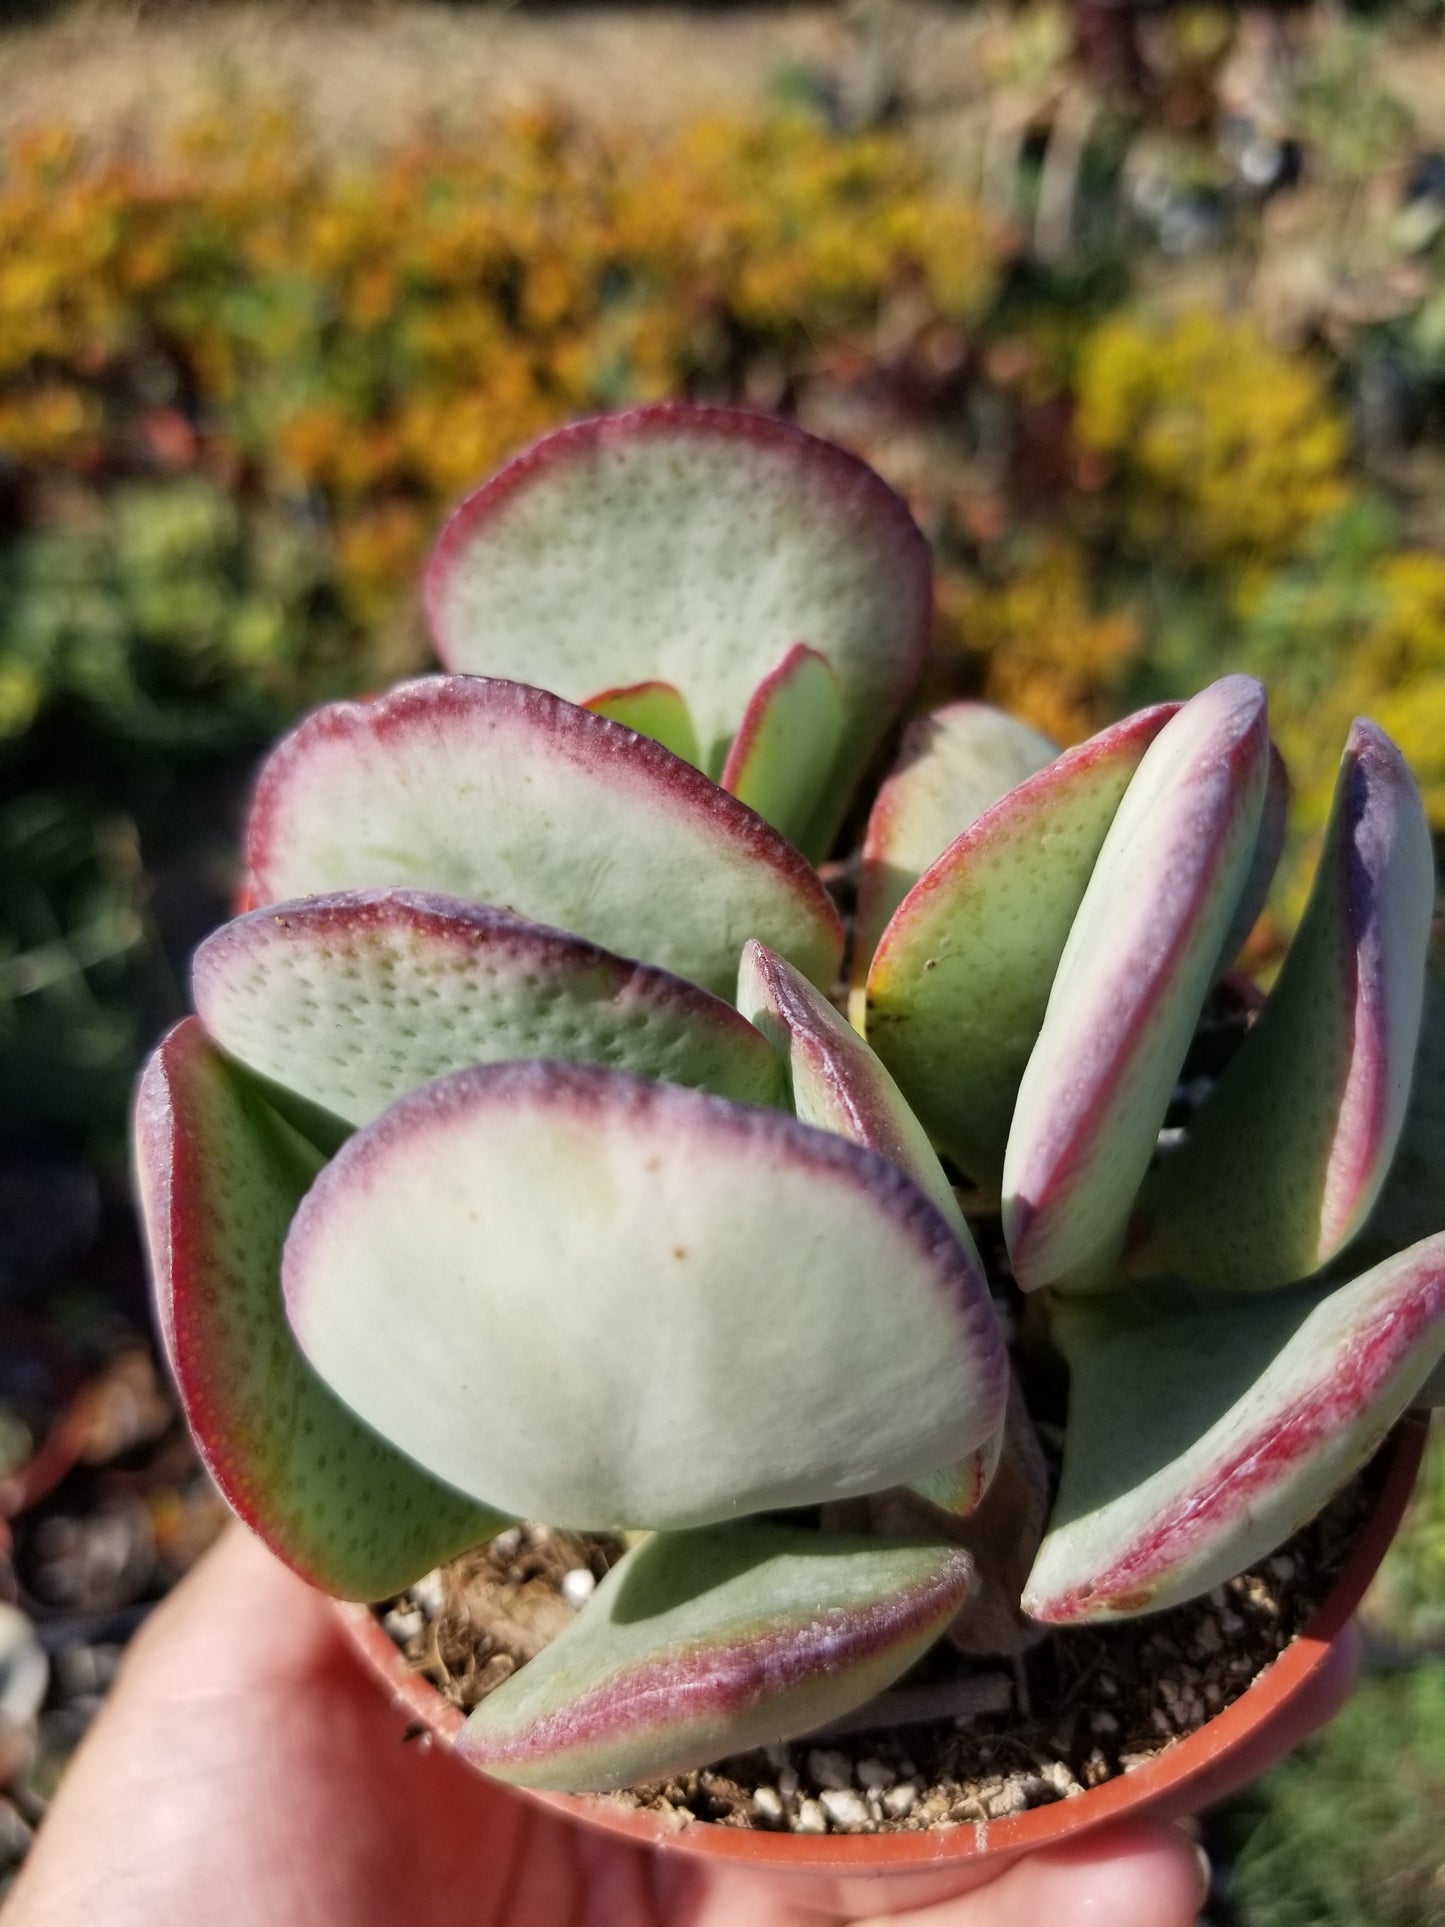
(1159, 1783)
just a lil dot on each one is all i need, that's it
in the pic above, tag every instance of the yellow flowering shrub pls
(1391, 667)
(1225, 450)
(350, 347)
(1045, 653)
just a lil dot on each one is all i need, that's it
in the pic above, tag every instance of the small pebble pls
(1057, 1777)
(828, 1768)
(1107, 1685)
(810, 1818)
(578, 1586)
(844, 1808)
(1208, 1638)
(788, 1782)
(1281, 1567)
(900, 1800)
(768, 1806)
(1103, 1723)
(875, 1774)
(1009, 1799)
(404, 1623)
(430, 1593)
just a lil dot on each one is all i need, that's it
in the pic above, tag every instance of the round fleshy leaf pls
(961, 979)
(653, 709)
(220, 1177)
(709, 1642)
(1411, 1206)
(952, 766)
(837, 1083)
(1268, 848)
(1281, 1165)
(1139, 960)
(507, 795)
(355, 999)
(693, 546)
(659, 1308)
(787, 743)
(1203, 1434)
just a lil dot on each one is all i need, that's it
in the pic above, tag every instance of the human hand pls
(246, 1773)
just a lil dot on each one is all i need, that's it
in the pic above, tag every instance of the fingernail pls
(1206, 1872)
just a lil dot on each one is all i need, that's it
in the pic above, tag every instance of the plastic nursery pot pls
(1272, 1714)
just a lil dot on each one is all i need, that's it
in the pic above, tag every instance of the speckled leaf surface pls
(837, 1083)
(694, 546)
(355, 999)
(787, 743)
(1282, 1163)
(952, 766)
(713, 1641)
(960, 982)
(654, 709)
(661, 1309)
(1203, 1433)
(220, 1177)
(506, 795)
(1139, 959)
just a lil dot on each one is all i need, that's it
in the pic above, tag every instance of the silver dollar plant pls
(518, 1162)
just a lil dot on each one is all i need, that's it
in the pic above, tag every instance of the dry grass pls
(370, 71)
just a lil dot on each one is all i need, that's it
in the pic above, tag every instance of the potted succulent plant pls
(519, 1165)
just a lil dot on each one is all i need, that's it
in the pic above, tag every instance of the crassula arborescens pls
(519, 1164)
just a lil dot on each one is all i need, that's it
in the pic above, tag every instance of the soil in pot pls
(964, 1739)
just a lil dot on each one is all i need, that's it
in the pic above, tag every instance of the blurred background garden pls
(1142, 306)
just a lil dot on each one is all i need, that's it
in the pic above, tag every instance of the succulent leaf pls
(354, 999)
(654, 709)
(1241, 1417)
(960, 982)
(837, 1083)
(788, 742)
(1268, 848)
(693, 545)
(713, 1641)
(660, 1308)
(1285, 1158)
(952, 766)
(510, 796)
(1131, 981)
(220, 1176)
(1411, 1204)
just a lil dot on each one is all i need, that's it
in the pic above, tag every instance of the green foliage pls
(72, 966)
(1348, 1832)
(172, 619)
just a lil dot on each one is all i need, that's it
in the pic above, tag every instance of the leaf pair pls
(1036, 991)
(755, 598)
(619, 1343)
(1037, 988)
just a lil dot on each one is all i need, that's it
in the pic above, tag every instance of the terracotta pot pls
(1282, 1705)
